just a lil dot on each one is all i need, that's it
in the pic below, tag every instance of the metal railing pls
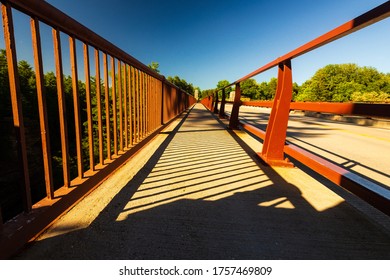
(125, 105)
(275, 146)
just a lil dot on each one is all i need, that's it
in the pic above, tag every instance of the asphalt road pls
(361, 149)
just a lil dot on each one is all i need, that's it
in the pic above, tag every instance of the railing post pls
(233, 123)
(120, 101)
(162, 100)
(114, 106)
(107, 106)
(275, 137)
(61, 107)
(76, 105)
(89, 106)
(211, 103)
(216, 103)
(222, 108)
(42, 108)
(16, 103)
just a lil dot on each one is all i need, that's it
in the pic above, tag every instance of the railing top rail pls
(50, 15)
(377, 14)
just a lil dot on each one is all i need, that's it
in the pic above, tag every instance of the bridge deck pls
(198, 191)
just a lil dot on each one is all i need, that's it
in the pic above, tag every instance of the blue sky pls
(205, 41)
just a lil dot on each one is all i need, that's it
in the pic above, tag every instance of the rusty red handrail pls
(357, 109)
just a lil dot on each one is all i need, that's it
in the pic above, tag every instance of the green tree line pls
(176, 80)
(332, 83)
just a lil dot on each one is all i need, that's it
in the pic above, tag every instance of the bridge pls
(155, 174)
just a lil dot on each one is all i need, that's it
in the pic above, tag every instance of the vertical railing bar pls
(223, 102)
(138, 104)
(148, 89)
(99, 106)
(142, 104)
(131, 100)
(159, 99)
(120, 105)
(130, 106)
(215, 109)
(147, 104)
(152, 105)
(125, 105)
(154, 99)
(146, 128)
(133, 105)
(107, 106)
(153, 109)
(233, 123)
(61, 107)
(42, 108)
(89, 107)
(162, 102)
(114, 106)
(16, 103)
(76, 105)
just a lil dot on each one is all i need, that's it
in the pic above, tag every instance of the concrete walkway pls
(198, 191)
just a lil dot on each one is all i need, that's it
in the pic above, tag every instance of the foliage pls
(154, 66)
(370, 96)
(334, 83)
(182, 84)
(223, 84)
(207, 92)
(250, 88)
(346, 82)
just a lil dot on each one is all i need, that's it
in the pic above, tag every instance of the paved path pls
(197, 191)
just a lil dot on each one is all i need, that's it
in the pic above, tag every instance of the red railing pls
(275, 146)
(125, 105)
(351, 109)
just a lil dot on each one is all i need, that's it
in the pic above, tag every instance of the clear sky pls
(205, 41)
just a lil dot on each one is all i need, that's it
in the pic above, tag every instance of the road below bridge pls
(361, 149)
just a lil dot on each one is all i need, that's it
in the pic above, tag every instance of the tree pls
(267, 90)
(5, 101)
(207, 92)
(345, 82)
(182, 84)
(250, 88)
(222, 84)
(154, 66)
